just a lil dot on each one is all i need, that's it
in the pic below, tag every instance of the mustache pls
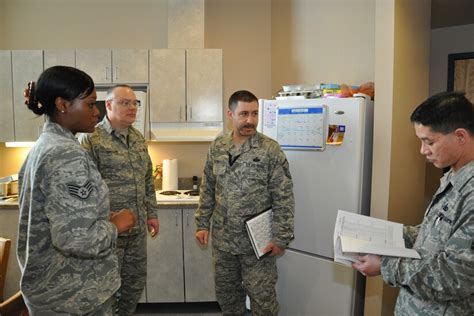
(248, 126)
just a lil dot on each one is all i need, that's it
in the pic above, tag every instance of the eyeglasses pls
(128, 103)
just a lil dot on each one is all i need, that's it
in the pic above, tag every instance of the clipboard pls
(260, 227)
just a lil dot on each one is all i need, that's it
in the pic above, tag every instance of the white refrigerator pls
(326, 177)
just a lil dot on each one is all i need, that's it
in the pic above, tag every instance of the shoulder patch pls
(80, 192)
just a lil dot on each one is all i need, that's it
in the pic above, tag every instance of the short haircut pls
(445, 112)
(241, 95)
(111, 90)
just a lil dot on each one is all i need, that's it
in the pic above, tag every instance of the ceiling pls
(446, 13)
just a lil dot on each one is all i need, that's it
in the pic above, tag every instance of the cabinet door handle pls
(187, 221)
(180, 113)
(106, 73)
(176, 217)
(191, 113)
(116, 73)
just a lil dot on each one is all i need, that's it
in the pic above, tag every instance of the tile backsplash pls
(185, 183)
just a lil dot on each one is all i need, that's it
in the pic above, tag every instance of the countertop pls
(173, 205)
(8, 205)
(161, 205)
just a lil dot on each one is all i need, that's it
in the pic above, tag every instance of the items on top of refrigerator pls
(299, 92)
(366, 89)
(325, 90)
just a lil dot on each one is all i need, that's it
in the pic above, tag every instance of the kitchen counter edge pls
(161, 205)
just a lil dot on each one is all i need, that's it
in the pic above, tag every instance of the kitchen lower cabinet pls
(198, 265)
(179, 270)
(165, 274)
(9, 229)
(143, 297)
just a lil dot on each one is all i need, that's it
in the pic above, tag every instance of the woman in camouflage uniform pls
(66, 239)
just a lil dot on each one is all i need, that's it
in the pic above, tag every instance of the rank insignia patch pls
(80, 192)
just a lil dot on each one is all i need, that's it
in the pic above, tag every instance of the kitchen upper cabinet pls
(130, 65)
(97, 63)
(204, 85)
(185, 85)
(179, 270)
(27, 65)
(167, 85)
(114, 66)
(59, 57)
(7, 131)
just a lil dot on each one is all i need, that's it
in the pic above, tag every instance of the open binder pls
(259, 228)
(356, 234)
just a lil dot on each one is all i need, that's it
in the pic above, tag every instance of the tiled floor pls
(182, 309)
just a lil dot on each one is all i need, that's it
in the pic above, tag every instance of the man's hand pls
(274, 249)
(153, 227)
(202, 236)
(123, 219)
(368, 265)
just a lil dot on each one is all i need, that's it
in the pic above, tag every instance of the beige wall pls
(445, 41)
(316, 41)
(242, 28)
(2, 22)
(31, 24)
(11, 159)
(384, 56)
(411, 77)
(191, 156)
(401, 73)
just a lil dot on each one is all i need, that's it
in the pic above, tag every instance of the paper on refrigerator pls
(356, 234)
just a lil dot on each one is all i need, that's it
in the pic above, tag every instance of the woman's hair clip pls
(31, 97)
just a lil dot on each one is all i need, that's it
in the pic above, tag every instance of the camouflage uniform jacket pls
(127, 169)
(65, 238)
(239, 183)
(442, 282)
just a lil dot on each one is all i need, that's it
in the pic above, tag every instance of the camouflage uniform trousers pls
(103, 310)
(132, 258)
(238, 275)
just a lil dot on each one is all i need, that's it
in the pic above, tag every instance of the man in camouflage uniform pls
(121, 155)
(245, 173)
(442, 282)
